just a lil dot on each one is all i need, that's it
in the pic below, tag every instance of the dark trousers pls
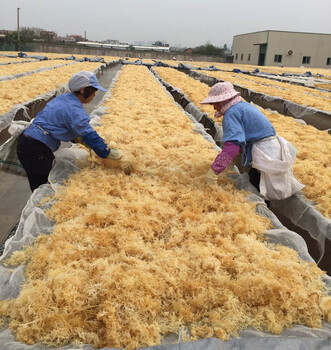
(36, 159)
(254, 178)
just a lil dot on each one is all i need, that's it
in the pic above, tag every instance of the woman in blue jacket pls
(63, 119)
(246, 130)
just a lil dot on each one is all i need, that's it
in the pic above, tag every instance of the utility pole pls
(18, 28)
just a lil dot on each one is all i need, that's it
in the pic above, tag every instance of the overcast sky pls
(188, 23)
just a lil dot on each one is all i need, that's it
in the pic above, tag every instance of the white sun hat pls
(82, 80)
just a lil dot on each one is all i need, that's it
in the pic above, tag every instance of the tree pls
(26, 35)
(158, 43)
(209, 50)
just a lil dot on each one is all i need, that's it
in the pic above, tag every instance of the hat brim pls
(94, 82)
(220, 98)
(97, 86)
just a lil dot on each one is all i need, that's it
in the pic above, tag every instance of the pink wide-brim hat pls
(221, 92)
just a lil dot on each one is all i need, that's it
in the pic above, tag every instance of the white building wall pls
(313, 45)
(246, 44)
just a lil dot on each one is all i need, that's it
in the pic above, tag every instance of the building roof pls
(282, 31)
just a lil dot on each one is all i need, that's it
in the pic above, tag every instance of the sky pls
(185, 23)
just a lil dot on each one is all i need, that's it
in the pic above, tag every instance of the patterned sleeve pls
(224, 159)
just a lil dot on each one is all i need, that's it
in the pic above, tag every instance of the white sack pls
(9, 161)
(274, 157)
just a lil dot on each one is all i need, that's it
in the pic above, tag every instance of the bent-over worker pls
(63, 119)
(270, 158)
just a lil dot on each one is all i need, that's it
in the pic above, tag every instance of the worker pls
(63, 119)
(246, 130)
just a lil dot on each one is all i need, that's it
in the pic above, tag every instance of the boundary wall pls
(81, 50)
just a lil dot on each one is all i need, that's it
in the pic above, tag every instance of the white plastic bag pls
(17, 127)
(9, 161)
(274, 157)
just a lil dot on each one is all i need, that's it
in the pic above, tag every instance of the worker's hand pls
(79, 141)
(211, 177)
(126, 165)
(115, 154)
(116, 157)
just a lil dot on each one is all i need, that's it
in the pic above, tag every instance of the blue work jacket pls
(243, 124)
(64, 119)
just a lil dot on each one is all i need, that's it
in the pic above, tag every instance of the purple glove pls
(224, 159)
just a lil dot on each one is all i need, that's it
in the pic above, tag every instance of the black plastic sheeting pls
(27, 111)
(85, 59)
(248, 339)
(283, 78)
(44, 58)
(208, 123)
(38, 57)
(180, 66)
(185, 66)
(319, 119)
(17, 62)
(139, 62)
(256, 72)
(161, 64)
(42, 69)
(306, 221)
(94, 59)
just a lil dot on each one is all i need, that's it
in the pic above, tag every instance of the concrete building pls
(290, 49)
(46, 35)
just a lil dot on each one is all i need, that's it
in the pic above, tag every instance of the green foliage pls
(158, 43)
(26, 35)
(209, 50)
